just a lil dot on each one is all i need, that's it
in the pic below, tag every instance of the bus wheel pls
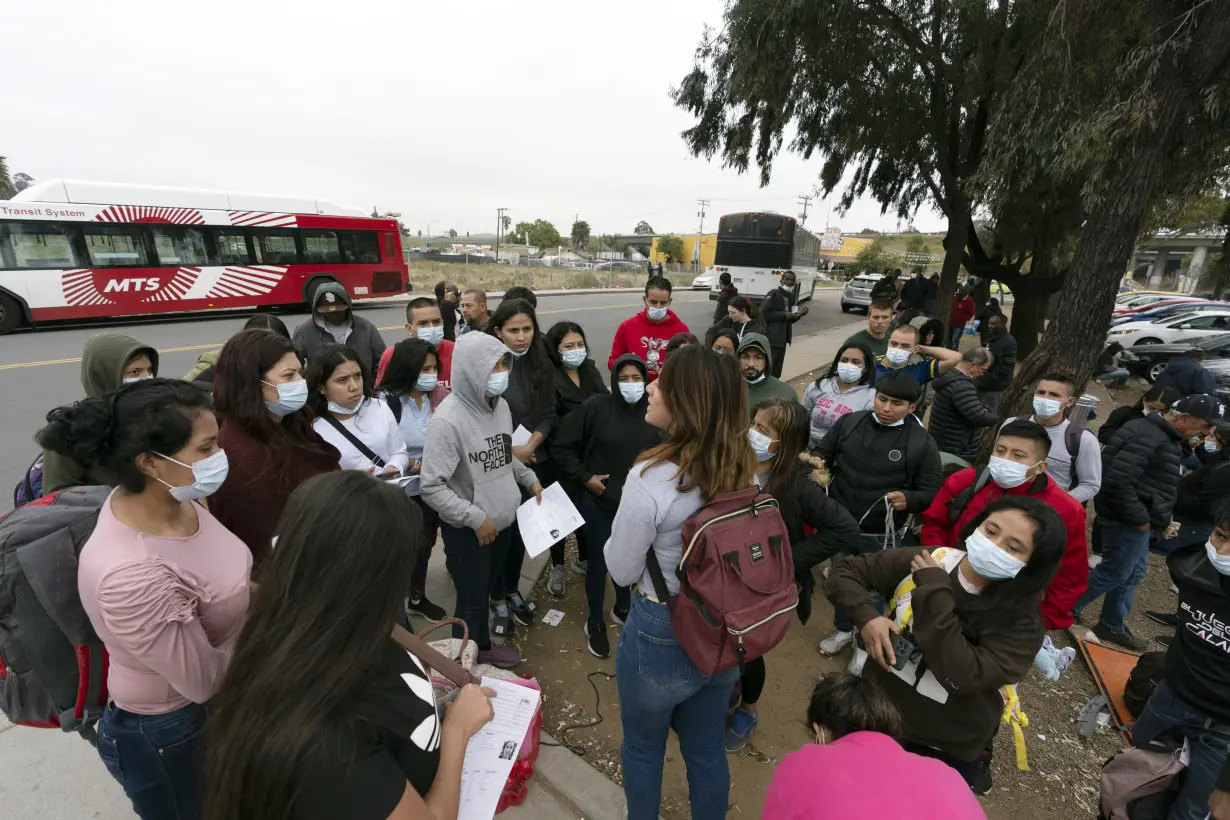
(10, 314)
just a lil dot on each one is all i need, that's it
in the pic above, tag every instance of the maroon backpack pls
(736, 581)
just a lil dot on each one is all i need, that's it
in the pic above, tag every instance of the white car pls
(1170, 330)
(704, 281)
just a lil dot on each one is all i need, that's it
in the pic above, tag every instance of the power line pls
(499, 225)
(703, 204)
(804, 200)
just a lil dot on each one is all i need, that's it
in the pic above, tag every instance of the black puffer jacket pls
(958, 415)
(997, 379)
(1140, 473)
(1200, 491)
(869, 460)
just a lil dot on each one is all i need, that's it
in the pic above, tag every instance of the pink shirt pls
(167, 609)
(831, 783)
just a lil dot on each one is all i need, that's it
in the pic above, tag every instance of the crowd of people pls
(275, 511)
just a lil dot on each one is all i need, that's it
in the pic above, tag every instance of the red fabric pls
(445, 351)
(962, 312)
(646, 339)
(1073, 576)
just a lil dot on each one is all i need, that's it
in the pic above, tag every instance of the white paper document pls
(491, 753)
(520, 436)
(543, 524)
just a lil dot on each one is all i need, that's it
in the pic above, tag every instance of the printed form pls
(544, 524)
(491, 753)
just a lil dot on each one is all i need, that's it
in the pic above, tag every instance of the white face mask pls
(573, 359)
(137, 379)
(208, 475)
(896, 356)
(632, 391)
(988, 560)
(849, 373)
(1211, 445)
(432, 335)
(1046, 408)
(656, 314)
(497, 383)
(760, 445)
(426, 382)
(896, 423)
(756, 380)
(343, 410)
(1220, 562)
(1008, 474)
(291, 397)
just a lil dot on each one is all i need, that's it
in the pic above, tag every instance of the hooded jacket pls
(1198, 662)
(958, 415)
(102, 371)
(468, 470)
(1140, 473)
(570, 397)
(741, 329)
(364, 339)
(778, 318)
(646, 339)
(1188, 376)
(768, 386)
(605, 436)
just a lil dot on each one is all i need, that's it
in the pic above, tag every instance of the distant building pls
(708, 247)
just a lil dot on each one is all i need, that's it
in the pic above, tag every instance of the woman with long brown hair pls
(267, 434)
(700, 401)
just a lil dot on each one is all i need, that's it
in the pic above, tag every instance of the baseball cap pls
(330, 303)
(1202, 406)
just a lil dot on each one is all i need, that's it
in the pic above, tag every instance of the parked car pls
(624, 266)
(1170, 330)
(1148, 361)
(704, 281)
(857, 292)
(1154, 314)
(1138, 298)
(1132, 310)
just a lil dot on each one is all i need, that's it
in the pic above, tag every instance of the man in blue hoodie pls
(1187, 375)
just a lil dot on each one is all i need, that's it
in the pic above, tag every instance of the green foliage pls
(539, 233)
(671, 248)
(868, 232)
(452, 234)
(643, 228)
(580, 235)
(915, 244)
(874, 257)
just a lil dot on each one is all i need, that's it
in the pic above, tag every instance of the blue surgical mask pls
(291, 397)
(656, 314)
(988, 560)
(497, 383)
(1008, 474)
(343, 410)
(849, 373)
(426, 382)
(1211, 445)
(574, 358)
(788, 288)
(1046, 408)
(208, 474)
(760, 444)
(1220, 562)
(632, 391)
(896, 356)
(432, 335)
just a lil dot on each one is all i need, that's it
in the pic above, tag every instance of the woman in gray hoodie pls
(469, 477)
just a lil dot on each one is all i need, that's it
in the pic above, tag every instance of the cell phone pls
(388, 476)
(904, 650)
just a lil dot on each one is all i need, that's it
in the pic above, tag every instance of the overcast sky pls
(442, 111)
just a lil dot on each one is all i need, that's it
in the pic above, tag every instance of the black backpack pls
(1145, 677)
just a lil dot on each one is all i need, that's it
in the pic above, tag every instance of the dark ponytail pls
(109, 432)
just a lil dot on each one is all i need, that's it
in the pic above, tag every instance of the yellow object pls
(708, 247)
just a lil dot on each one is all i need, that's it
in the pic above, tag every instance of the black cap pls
(1200, 405)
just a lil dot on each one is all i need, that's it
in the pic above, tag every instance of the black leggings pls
(753, 680)
(968, 769)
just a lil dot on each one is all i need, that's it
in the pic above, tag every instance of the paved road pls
(40, 369)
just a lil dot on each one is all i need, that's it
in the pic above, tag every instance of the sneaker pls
(982, 781)
(1170, 619)
(596, 641)
(619, 616)
(505, 657)
(857, 662)
(502, 625)
(423, 607)
(1125, 638)
(555, 585)
(579, 567)
(836, 642)
(1165, 640)
(742, 722)
(521, 609)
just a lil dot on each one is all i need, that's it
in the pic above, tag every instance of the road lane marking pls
(218, 345)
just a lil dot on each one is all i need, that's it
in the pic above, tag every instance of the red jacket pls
(646, 339)
(444, 349)
(1073, 576)
(962, 312)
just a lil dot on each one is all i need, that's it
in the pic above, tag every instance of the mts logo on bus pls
(135, 285)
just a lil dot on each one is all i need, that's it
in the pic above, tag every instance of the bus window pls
(321, 248)
(179, 246)
(231, 247)
(275, 247)
(35, 245)
(360, 247)
(772, 227)
(114, 246)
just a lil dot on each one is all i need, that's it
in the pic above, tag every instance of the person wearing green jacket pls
(756, 361)
(108, 361)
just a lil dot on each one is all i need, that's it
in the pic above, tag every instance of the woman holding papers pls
(531, 400)
(470, 477)
(321, 715)
(594, 448)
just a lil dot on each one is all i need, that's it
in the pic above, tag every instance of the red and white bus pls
(82, 250)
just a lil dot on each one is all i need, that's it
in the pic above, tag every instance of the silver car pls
(857, 293)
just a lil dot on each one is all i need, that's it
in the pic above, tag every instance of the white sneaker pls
(857, 662)
(836, 642)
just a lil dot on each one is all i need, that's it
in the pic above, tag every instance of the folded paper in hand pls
(544, 524)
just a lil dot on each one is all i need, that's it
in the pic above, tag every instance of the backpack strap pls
(659, 580)
(1072, 440)
(419, 648)
(353, 439)
(958, 502)
(394, 402)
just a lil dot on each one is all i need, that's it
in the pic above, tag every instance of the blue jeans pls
(865, 544)
(597, 532)
(478, 575)
(1125, 560)
(1117, 378)
(1166, 714)
(660, 689)
(156, 759)
(954, 337)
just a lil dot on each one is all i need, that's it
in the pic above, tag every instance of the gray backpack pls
(1141, 784)
(52, 664)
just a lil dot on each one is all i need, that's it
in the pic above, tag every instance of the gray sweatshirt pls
(651, 515)
(468, 470)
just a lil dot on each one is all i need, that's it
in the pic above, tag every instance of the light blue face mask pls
(574, 358)
(426, 382)
(656, 314)
(497, 383)
(1220, 562)
(291, 397)
(342, 410)
(632, 391)
(432, 335)
(760, 445)
(208, 475)
(1211, 445)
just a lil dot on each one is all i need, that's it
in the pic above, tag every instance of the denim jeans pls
(954, 337)
(156, 759)
(597, 532)
(660, 689)
(476, 572)
(431, 528)
(1167, 715)
(865, 544)
(1125, 560)
(1116, 378)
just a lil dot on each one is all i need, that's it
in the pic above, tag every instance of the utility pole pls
(804, 200)
(499, 225)
(700, 231)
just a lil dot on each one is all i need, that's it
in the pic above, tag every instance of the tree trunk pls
(1029, 306)
(954, 249)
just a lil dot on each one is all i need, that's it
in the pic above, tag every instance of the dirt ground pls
(1062, 783)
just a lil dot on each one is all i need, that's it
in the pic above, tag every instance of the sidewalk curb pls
(815, 350)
